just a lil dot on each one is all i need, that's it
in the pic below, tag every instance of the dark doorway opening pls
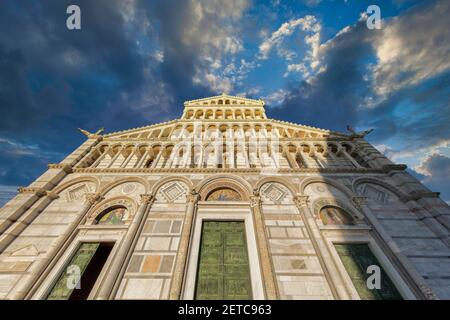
(92, 271)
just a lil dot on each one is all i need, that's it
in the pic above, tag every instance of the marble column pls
(183, 249)
(337, 284)
(263, 248)
(125, 250)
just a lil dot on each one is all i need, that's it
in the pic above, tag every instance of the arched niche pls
(115, 215)
(377, 192)
(334, 215)
(223, 194)
(333, 211)
(110, 211)
(214, 183)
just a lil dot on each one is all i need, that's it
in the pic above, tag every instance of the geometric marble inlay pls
(172, 192)
(274, 193)
(77, 193)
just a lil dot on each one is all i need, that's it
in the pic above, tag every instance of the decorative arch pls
(238, 184)
(110, 204)
(115, 215)
(321, 203)
(162, 182)
(358, 181)
(333, 215)
(116, 183)
(331, 182)
(291, 187)
(72, 182)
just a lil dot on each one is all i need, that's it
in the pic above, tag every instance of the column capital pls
(93, 197)
(193, 196)
(52, 195)
(359, 201)
(255, 200)
(146, 198)
(301, 200)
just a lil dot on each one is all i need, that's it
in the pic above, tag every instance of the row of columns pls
(192, 114)
(322, 159)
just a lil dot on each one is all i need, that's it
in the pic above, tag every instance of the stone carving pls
(172, 192)
(301, 200)
(375, 194)
(124, 203)
(129, 188)
(146, 198)
(193, 196)
(93, 198)
(275, 193)
(360, 134)
(359, 202)
(77, 192)
(90, 135)
(254, 201)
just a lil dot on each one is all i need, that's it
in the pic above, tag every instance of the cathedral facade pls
(225, 203)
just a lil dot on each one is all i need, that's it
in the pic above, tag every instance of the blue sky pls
(134, 63)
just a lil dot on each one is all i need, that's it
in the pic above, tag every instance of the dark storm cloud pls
(192, 38)
(331, 99)
(53, 80)
(418, 115)
(108, 74)
(435, 172)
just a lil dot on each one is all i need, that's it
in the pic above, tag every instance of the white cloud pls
(412, 48)
(275, 98)
(212, 32)
(310, 61)
(300, 67)
(158, 56)
(307, 23)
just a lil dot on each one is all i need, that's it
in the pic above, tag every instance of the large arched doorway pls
(223, 261)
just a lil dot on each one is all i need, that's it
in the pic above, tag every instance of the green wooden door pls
(63, 289)
(223, 269)
(356, 259)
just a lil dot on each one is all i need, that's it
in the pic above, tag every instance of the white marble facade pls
(161, 175)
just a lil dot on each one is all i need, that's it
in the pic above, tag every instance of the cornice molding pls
(392, 167)
(65, 167)
(40, 192)
(253, 102)
(417, 195)
(225, 170)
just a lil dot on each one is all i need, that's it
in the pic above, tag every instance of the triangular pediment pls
(296, 130)
(206, 106)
